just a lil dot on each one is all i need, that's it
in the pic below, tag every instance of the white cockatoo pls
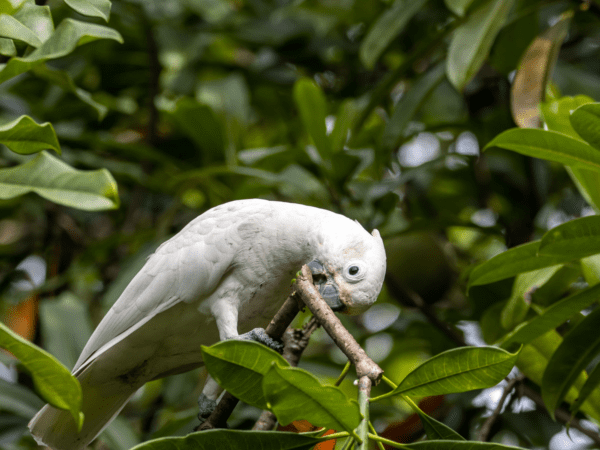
(227, 272)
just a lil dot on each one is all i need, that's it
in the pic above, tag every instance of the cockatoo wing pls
(186, 268)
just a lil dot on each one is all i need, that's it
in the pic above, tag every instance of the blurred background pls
(209, 101)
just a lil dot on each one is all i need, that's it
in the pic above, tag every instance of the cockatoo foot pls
(206, 406)
(260, 335)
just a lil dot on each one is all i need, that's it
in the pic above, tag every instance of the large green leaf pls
(549, 145)
(457, 370)
(311, 103)
(586, 122)
(36, 18)
(54, 180)
(434, 429)
(408, 105)
(233, 440)
(557, 116)
(552, 317)
(473, 40)
(91, 8)
(13, 29)
(520, 259)
(386, 28)
(68, 35)
(590, 385)
(7, 47)
(25, 136)
(573, 239)
(577, 350)
(239, 367)
(52, 380)
(288, 388)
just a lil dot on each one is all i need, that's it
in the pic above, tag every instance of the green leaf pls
(473, 40)
(577, 350)
(457, 445)
(52, 380)
(408, 105)
(63, 80)
(586, 122)
(13, 29)
(7, 47)
(518, 304)
(311, 103)
(239, 367)
(549, 145)
(91, 8)
(590, 385)
(49, 177)
(434, 429)
(574, 239)
(457, 370)
(523, 258)
(386, 28)
(557, 116)
(233, 440)
(344, 121)
(552, 317)
(286, 388)
(25, 136)
(68, 35)
(36, 18)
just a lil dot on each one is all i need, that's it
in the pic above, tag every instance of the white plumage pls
(227, 272)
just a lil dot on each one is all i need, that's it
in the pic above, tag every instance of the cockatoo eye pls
(355, 271)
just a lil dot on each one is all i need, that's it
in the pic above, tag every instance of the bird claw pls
(260, 335)
(206, 406)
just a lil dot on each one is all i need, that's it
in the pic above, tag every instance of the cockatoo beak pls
(328, 288)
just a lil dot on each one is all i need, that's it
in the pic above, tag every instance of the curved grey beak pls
(326, 285)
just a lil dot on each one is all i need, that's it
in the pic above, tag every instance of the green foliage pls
(52, 380)
(376, 110)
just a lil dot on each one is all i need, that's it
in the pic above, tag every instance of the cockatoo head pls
(349, 268)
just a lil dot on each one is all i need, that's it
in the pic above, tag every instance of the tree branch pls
(484, 431)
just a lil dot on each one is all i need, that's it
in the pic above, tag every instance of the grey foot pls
(206, 407)
(260, 335)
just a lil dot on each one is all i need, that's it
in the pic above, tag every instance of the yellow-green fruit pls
(417, 262)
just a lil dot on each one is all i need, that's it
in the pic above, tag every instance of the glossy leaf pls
(473, 40)
(557, 117)
(457, 370)
(91, 8)
(7, 47)
(577, 350)
(434, 429)
(576, 238)
(52, 380)
(535, 68)
(552, 317)
(523, 258)
(586, 122)
(239, 367)
(54, 180)
(233, 440)
(25, 136)
(37, 19)
(11, 28)
(286, 388)
(386, 28)
(548, 145)
(68, 35)
(408, 105)
(311, 103)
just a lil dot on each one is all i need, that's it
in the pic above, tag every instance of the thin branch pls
(364, 365)
(487, 425)
(364, 393)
